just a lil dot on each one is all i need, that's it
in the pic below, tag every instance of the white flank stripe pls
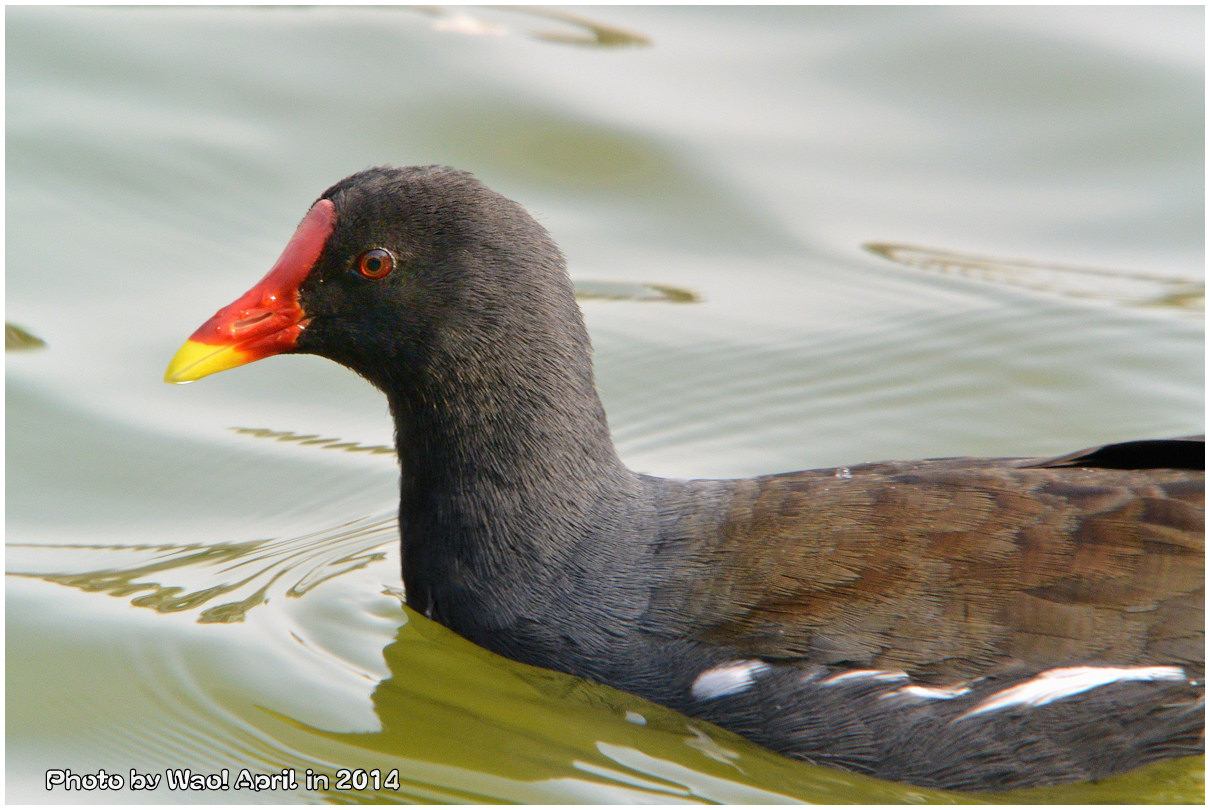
(928, 692)
(727, 679)
(872, 674)
(1054, 684)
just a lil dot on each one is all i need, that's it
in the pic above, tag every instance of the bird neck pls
(517, 514)
(509, 475)
(467, 428)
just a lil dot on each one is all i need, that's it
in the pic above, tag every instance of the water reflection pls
(574, 29)
(472, 726)
(1124, 288)
(314, 439)
(463, 724)
(188, 577)
(624, 291)
(17, 339)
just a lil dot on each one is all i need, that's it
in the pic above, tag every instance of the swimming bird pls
(961, 623)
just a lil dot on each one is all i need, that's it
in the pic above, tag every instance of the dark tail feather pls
(1188, 453)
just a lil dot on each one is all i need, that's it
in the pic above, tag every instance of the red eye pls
(375, 263)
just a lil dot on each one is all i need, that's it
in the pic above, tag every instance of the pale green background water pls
(182, 595)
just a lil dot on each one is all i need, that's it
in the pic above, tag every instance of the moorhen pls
(959, 623)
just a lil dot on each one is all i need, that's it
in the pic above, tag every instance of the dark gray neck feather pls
(521, 528)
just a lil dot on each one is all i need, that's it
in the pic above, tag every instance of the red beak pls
(267, 319)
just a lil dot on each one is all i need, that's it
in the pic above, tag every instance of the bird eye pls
(375, 263)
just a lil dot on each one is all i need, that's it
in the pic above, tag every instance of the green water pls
(803, 237)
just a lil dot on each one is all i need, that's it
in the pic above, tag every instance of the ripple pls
(1125, 288)
(314, 439)
(632, 291)
(17, 339)
(221, 582)
(574, 29)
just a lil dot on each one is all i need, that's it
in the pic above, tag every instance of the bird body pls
(959, 623)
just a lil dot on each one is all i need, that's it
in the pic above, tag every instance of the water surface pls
(803, 237)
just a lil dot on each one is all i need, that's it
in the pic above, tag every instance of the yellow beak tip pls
(195, 360)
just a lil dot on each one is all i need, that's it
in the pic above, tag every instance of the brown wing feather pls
(958, 568)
